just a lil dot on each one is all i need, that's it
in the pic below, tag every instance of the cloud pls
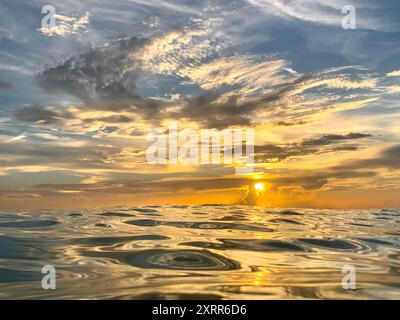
(182, 184)
(314, 181)
(277, 153)
(20, 155)
(66, 25)
(180, 51)
(40, 114)
(332, 138)
(284, 67)
(5, 85)
(395, 73)
(289, 124)
(222, 89)
(211, 112)
(389, 158)
(117, 119)
(370, 16)
(107, 72)
(246, 76)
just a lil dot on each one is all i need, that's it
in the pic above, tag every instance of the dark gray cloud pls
(333, 138)
(290, 123)
(149, 186)
(33, 153)
(5, 85)
(317, 179)
(43, 114)
(389, 159)
(212, 114)
(274, 153)
(107, 72)
(351, 147)
(112, 119)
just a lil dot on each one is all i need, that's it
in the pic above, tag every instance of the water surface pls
(200, 252)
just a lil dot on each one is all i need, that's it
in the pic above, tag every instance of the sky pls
(78, 99)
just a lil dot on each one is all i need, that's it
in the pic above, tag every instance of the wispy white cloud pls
(395, 73)
(66, 25)
(330, 12)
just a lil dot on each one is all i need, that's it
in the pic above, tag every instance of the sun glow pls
(259, 186)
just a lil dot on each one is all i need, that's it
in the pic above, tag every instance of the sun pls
(259, 186)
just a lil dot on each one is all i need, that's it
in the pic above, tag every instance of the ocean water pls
(200, 252)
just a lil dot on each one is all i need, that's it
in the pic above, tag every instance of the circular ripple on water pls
(145, 210)
(75, 215)
(288, 213)
(289, 221)
(181, 260)
(332, 244)
(115, 214)
(28, 224)
(143, 222)
(250, 245)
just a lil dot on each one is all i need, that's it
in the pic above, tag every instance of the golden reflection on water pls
(210, 251)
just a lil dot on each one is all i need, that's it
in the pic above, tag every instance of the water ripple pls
(28, 224)
(200, 251)
(199, 225)
(181, 259)
(333, 244)
(250, 245)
